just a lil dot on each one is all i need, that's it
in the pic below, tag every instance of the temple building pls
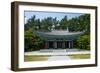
(57, 39)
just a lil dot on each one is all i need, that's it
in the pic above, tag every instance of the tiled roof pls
(58, 35)
(61, 32)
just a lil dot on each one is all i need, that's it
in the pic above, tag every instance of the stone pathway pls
(54, 58)
(58, 52)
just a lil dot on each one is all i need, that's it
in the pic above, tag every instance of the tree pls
(64, 23)
(48, 23)
(32, 41)
(73, 24)
(83, 42)
(30, 23)
(81, 23)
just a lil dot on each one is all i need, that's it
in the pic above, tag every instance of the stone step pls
(53, 50)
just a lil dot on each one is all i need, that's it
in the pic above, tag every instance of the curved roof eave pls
(61, 36)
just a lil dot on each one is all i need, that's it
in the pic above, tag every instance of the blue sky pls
(42, 15)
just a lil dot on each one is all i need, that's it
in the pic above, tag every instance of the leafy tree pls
(64, 23)
(81, 23)
(48, 23)
(32, 42)
(33, 23)
(30, 23)
(73, 24)
(83, 42)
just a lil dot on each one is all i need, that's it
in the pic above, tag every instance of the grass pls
(80, 56)
(79, 49)
(35, 58)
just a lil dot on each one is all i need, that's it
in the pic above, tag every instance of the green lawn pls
(35, 58)
(45, 58)
(80, 56)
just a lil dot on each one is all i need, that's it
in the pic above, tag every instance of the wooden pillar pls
(55, 44)
(63, 44)
(69, 44)
(46, 45)
(72, 44)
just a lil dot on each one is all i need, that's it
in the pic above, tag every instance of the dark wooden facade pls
(59, 44)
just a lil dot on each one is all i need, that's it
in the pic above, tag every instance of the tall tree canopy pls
(81, 23)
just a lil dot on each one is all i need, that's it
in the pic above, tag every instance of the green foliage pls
(45, 24)
(64, 23)
(81, 23)
(32, 42)
(83, 42)
(32, 23)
